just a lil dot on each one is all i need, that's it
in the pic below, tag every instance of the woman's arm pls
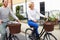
(41, 15)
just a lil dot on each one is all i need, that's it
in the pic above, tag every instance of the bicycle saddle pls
(31, 26)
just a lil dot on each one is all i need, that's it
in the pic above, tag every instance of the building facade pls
(49, 5)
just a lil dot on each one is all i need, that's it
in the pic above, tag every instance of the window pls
(21, 9)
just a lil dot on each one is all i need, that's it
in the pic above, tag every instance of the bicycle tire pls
(26, 34)
(49, 36)
(15, 38)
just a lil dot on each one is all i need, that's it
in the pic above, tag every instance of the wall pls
(49, 5)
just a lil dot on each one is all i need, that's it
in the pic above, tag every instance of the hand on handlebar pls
(35, 20)
(18, 21)
(46, 17)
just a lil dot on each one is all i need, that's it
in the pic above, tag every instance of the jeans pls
(34, 25)
(3, 30)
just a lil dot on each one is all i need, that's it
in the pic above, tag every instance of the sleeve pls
(41, 15)
(12, 14)
(29, 15)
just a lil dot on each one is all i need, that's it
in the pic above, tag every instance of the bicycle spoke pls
(53, 36)
(28, 34)
(49, 37)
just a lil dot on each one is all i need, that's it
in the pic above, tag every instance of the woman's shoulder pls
(28, 10)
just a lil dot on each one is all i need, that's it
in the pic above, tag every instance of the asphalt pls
(24, 26)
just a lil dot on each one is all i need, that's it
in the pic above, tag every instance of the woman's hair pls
(30, 4)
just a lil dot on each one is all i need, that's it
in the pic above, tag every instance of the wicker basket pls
(48, 26)
(14, 28)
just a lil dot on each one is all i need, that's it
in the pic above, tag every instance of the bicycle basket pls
(48, 26)
(14, 28)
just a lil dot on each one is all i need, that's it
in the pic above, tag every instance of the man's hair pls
(2, 0)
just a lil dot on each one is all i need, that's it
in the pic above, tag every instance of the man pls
(32, 18)
(4, 18)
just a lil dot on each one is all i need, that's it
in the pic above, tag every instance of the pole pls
(26, 8)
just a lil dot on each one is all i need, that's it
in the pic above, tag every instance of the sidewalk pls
(56, 31)
(24, 26)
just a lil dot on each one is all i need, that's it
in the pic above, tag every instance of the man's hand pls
(18, 21)
(0, 21)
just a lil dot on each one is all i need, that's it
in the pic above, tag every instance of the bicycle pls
(11, 37)
(46, 36)
(12, 32)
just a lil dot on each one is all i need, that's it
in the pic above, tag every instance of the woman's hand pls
(35, 20)
(46, 17)
(0, 21)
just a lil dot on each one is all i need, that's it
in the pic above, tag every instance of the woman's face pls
(32, 5)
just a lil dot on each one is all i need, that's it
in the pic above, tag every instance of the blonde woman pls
(32, 20)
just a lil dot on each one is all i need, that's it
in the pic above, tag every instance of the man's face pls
(5, 3)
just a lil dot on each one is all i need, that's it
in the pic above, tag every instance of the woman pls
(32, 19)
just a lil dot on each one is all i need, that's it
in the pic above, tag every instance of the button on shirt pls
(34, 14)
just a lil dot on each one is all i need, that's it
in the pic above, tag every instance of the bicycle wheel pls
(49, 36)
(13, 37)
(28, 32)
(6, 38)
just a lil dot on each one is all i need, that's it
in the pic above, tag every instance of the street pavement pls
(24, 26)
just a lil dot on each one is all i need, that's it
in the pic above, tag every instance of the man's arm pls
(14, 16)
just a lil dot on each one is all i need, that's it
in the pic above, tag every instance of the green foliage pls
(19, 16)
(0, 4)
(11, 18)
(53, 18)
(17, 13)
(17, 9)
